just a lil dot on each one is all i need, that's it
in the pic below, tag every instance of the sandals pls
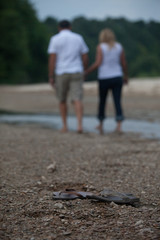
(105, 196)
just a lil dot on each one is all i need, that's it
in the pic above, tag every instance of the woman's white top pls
(110, 66)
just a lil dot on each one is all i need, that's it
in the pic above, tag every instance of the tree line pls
(24, 41)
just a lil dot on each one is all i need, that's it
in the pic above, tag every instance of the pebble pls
(119, 223)
(139, 222)
(66, 233)
(52, 167)
(144, 209)
(43, 178)
(114, 205)
(58, 205)
(145, 230)
(39, 182)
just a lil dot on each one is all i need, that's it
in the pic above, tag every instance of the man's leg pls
(62, 87)
(76, 93)
(63, 111)
(79, 114)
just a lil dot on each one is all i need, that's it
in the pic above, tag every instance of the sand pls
(88, 162)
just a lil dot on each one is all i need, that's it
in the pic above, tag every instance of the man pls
(68, 57)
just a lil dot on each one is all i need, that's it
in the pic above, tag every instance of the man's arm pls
(51, 68)
(85, 60)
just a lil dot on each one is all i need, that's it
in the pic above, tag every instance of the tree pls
(24, 42)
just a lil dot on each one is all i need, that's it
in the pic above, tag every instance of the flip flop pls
(128, 198)
(70, 194)
(106, 196)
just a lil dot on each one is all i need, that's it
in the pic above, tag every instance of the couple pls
(68, 62)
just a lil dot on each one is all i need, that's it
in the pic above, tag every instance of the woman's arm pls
(124, 67)
(97, 62)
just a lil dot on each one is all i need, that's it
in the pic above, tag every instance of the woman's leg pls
(103, 90)
(117, 94)
(100, 127)
(119, 127)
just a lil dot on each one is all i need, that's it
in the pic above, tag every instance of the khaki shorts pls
(71, 83)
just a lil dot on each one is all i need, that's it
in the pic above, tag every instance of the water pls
(147, 129)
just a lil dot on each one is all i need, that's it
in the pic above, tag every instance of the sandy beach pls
(35, 161)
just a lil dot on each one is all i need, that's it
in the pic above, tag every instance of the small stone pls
(46, 224)
(58, 205)
(139, 222)
(53, 236)
(67, 233)
(119, 223)
(89, 223)
(63, 212)
(154, 204)
(114, 205)
(158, 220)
(143, 192)
(52, 167)
(91, 188)
(43, 178)
(145, 230)
(144, 209)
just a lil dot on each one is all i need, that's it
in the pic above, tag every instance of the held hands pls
(125, 80)
(86, 72)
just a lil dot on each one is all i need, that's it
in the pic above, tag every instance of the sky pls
(133, 10)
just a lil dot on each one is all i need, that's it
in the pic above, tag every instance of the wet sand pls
(140, 99)
(88, 162)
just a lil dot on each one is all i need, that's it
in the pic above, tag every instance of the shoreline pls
(147, 86)
(140, 100)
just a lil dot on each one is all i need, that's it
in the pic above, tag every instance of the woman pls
(112, 73)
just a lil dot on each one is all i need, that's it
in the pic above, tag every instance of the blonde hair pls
(107, 36)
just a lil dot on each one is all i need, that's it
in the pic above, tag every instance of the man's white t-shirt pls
(110, 66)
(69, 48)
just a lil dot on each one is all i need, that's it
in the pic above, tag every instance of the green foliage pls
(24, 41)
(139, 39)
(22, 44)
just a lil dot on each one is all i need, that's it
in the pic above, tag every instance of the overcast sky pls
(100, 9)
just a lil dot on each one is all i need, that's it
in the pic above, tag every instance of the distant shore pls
(140, 99)
(143, 85)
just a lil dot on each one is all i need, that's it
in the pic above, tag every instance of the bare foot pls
(64, 130)
(118, 130)
(100, 129)
(80, 131)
